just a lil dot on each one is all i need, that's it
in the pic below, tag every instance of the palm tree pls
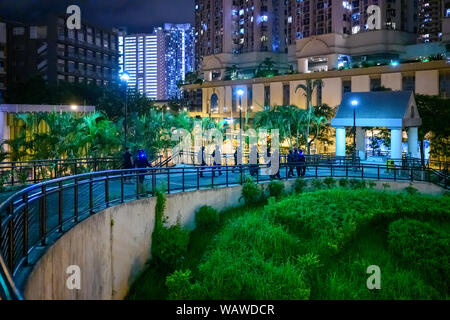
(308, 92)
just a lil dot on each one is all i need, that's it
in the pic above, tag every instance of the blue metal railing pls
(41, 213)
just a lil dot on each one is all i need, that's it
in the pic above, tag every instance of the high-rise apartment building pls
(431, 14)
(157, 62)
(141, 61)
(316, 17)
(239, 26)
(51, 50)
(179, 42)
(2, 59)
(243, 33)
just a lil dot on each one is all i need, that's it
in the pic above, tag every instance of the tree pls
(308, 92)
(435, 114)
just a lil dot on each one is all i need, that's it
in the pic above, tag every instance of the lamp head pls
(240, 92)
(354, 103)
(125, 77)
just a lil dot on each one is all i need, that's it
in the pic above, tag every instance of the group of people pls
(140, 161)
(296, 159)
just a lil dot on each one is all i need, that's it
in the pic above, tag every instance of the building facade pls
(179, 42)
(431, 14)
(244, 33)
(3, 62)
(158, 62)
(59, 54)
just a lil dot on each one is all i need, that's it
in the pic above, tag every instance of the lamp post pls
(354, 105)
(240, 93)
(125, 77)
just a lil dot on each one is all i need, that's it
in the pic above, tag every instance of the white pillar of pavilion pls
(413, 137)
(340, 142)
(396, 143)
(361, 142)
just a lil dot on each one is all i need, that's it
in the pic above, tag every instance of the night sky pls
(136, 15)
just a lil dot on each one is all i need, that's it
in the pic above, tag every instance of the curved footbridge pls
(100, 224)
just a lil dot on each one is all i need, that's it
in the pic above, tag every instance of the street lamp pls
(240, 93)
(125, 77)
(354, 105)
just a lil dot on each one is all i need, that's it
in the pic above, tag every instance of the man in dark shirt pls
(141, 161)
(127, 162)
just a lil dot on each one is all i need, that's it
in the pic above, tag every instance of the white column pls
(4, 130)
(332, 61)
(396, 143)
(340, 142)
(208, 75)
(413, 137)
(361, 142)
(303, 65)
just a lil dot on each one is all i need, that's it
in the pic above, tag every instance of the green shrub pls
(357, 184)
(300, 184)
(251, 192)
(343, 182)
(180, 287)
(411, 190)
(330, 182)
(276, 189)
(424, 247)
(317, 184)
(372, 184)
(386, 186)
(207, 218)
(169, 246)
(22, 175)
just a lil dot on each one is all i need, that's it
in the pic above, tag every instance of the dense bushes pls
(424, 247)
(169, 244)
(299, 185)
(207, 218)
(251, 192)
(253, 256)
(276, 189)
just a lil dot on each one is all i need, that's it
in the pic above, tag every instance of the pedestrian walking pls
(127, 163)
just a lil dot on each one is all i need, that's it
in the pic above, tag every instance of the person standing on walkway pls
(141, 161)
(217, 165)
(297, 162)
(127, 163)
(290, 163)
(201, 160)
(302, 160)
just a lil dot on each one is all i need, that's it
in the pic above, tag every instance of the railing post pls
(75, 199)
(362, 171)
(198, 178)
(91, 195)
(378, 172)
(121, 188)
(412, 175)
(213, 174)
(153, 181)
(226, 168)
(25, 226)
(11, 237)
(60, 206)
(168, 180)
(317, 166)
(107, 191)
(137, 184)
(43, 215)
(182, 178)
(395, 173)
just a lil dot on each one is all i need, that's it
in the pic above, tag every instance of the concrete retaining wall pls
(112, 247)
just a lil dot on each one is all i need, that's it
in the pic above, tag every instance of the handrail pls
(43, 212)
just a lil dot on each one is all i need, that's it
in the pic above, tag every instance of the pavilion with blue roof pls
(396, 110)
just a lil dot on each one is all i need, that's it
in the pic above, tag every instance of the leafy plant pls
(343, 182)
(317, 184)
(411, 190)
(330, 182)
(299, 185)
(207, 218)
(276, 189)
(180, 286)
(251, 192)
